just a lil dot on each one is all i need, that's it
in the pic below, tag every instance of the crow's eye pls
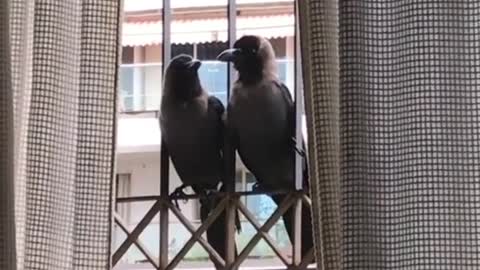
(249, 51)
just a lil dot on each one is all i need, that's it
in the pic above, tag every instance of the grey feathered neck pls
(262, 67)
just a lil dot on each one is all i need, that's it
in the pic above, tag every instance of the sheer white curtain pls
(393, 110)
(59, 71)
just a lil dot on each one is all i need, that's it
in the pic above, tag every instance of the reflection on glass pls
(273, 20)
(196, 30)
(213, 75)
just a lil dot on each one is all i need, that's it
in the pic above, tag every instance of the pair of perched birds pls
(259, 123)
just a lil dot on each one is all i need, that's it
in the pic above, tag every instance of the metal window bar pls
(164, 158)
(230, 200)
(297, 239)
(229, 153)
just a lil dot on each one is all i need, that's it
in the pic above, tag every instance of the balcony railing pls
(261, 207)
(230, 202)
(141, 84)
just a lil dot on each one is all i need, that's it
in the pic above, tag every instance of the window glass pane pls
(275, 21)
(140, 84)
(141, 67)
(213, 76)
(126, 88)
(197, 29)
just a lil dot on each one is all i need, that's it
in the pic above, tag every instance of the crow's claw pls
(209, 192)
(178, 193)
(257, 187)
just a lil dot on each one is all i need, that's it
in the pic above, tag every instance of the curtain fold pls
(405, 120)
(7, 222)
(64, 60)
(320, 65)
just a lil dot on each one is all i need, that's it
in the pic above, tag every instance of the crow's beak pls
(228, 55)
(195, 64)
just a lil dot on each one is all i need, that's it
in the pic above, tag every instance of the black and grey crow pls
(193, 131)
(261, 124)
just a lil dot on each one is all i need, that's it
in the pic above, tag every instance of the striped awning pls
(208, 30)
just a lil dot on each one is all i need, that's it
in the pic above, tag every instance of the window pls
(199, 28)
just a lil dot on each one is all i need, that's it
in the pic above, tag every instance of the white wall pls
(145, 180)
